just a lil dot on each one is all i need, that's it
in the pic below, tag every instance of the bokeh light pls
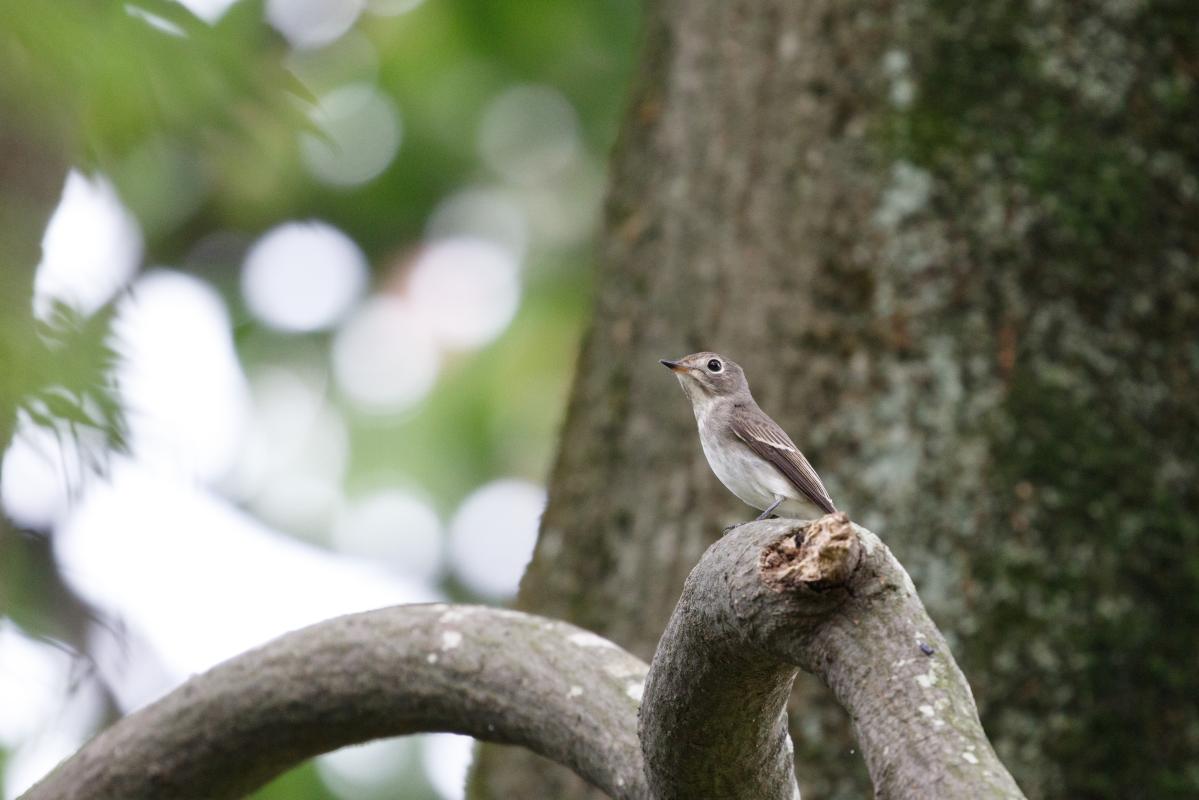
(360, 135)
(352, 59)
(395, 528)
(566, 211)
(493, 533)
(313, 23)
(208, 10)
(41, 470)
(303, 276)
(179, 376)
(384, 357)
(447, 757)
(465, 291)
(529, 134)
(294, 458)
(368, 771)
(483, 213)
(91, 248)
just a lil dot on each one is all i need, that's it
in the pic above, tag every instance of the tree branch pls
(496, 675)
(757, 607)
(713, 724)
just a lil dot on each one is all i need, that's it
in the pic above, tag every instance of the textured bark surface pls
(773, 596)
(954, 246)
(492, 674)
(713, 720)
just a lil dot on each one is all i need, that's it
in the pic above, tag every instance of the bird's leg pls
(777, 500)
(769, 511)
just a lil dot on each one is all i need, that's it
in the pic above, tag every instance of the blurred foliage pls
(62, 379)
(301, 783)
(200, 128)
(99, 77)
(304, 783)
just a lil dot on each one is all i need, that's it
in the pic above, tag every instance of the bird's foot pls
(769, 512)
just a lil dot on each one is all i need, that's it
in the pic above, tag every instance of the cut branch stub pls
(820, 555)
(827, 597)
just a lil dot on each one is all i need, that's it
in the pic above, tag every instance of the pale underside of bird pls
(749, 453)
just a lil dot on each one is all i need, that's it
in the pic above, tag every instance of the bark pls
(739, 177)
(774, 596)
(713, 720)
(953, 245)
(492, 674)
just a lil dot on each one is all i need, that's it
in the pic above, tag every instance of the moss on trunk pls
(955, 246)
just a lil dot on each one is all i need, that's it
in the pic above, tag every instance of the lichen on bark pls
(954, 245)
(1059, 145)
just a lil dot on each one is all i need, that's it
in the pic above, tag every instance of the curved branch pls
(489, 673)
(840, 606)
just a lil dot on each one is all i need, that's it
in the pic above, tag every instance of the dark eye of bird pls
(713, 366)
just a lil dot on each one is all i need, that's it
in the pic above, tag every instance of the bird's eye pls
(714, 365)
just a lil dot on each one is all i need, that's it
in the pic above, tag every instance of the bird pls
(751, 455)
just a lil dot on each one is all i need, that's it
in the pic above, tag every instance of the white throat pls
(704, 405)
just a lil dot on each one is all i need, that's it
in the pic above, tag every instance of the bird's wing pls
(769, 441)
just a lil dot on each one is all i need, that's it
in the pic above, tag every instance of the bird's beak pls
(673, 366)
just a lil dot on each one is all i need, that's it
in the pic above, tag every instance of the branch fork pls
(768, 599)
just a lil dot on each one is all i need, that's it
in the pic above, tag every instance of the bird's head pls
(707, 376)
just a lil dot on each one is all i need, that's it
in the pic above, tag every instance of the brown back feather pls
(769, 441)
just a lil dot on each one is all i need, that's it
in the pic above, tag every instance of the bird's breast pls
(742, 472)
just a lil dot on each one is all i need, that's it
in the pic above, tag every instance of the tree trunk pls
(954, 246)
